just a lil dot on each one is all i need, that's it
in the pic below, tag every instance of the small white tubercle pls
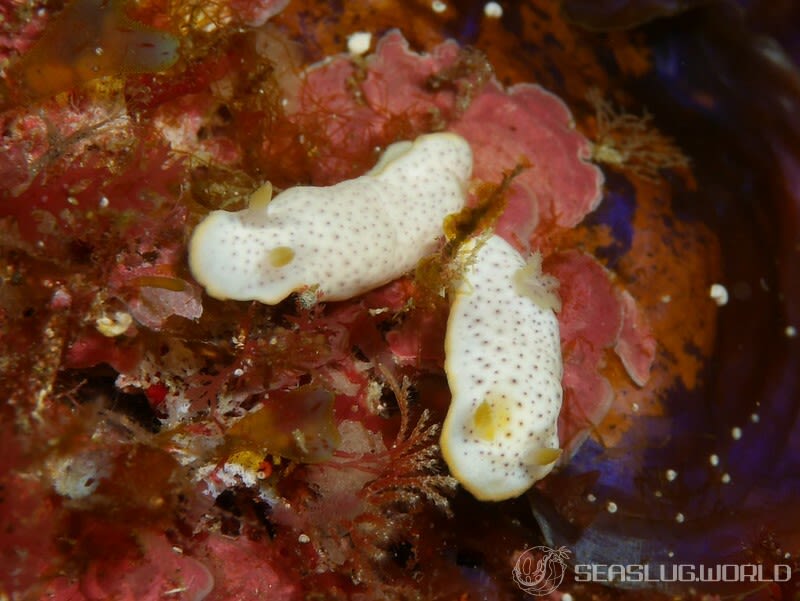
(503, 364)
(340, 240)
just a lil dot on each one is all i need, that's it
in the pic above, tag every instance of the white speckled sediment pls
(503, 363)
(340, 240)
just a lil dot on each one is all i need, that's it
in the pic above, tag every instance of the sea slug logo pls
(540, 570)
(618, 573)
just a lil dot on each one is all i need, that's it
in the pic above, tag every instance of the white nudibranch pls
(340, 240)
(503, 364)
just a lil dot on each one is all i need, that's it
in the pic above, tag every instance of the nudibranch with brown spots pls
(339, 241)
(504, 368)
(503, 354)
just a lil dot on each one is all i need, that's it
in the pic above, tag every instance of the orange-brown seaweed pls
(87, 40)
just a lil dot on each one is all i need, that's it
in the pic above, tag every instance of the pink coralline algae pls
(635, 344)
(530, 126)
(595, 316)
(372, 103)
(160, 571)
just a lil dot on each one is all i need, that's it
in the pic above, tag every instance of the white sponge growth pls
(340, 240)
(503, 364)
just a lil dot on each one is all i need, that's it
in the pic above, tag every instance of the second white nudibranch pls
(503, 364)
(338, 241)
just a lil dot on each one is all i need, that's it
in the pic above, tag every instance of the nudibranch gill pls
(340, 240)
(503, 364)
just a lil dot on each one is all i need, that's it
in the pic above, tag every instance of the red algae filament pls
(90, 39)
(154, 281)
(631, 142)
